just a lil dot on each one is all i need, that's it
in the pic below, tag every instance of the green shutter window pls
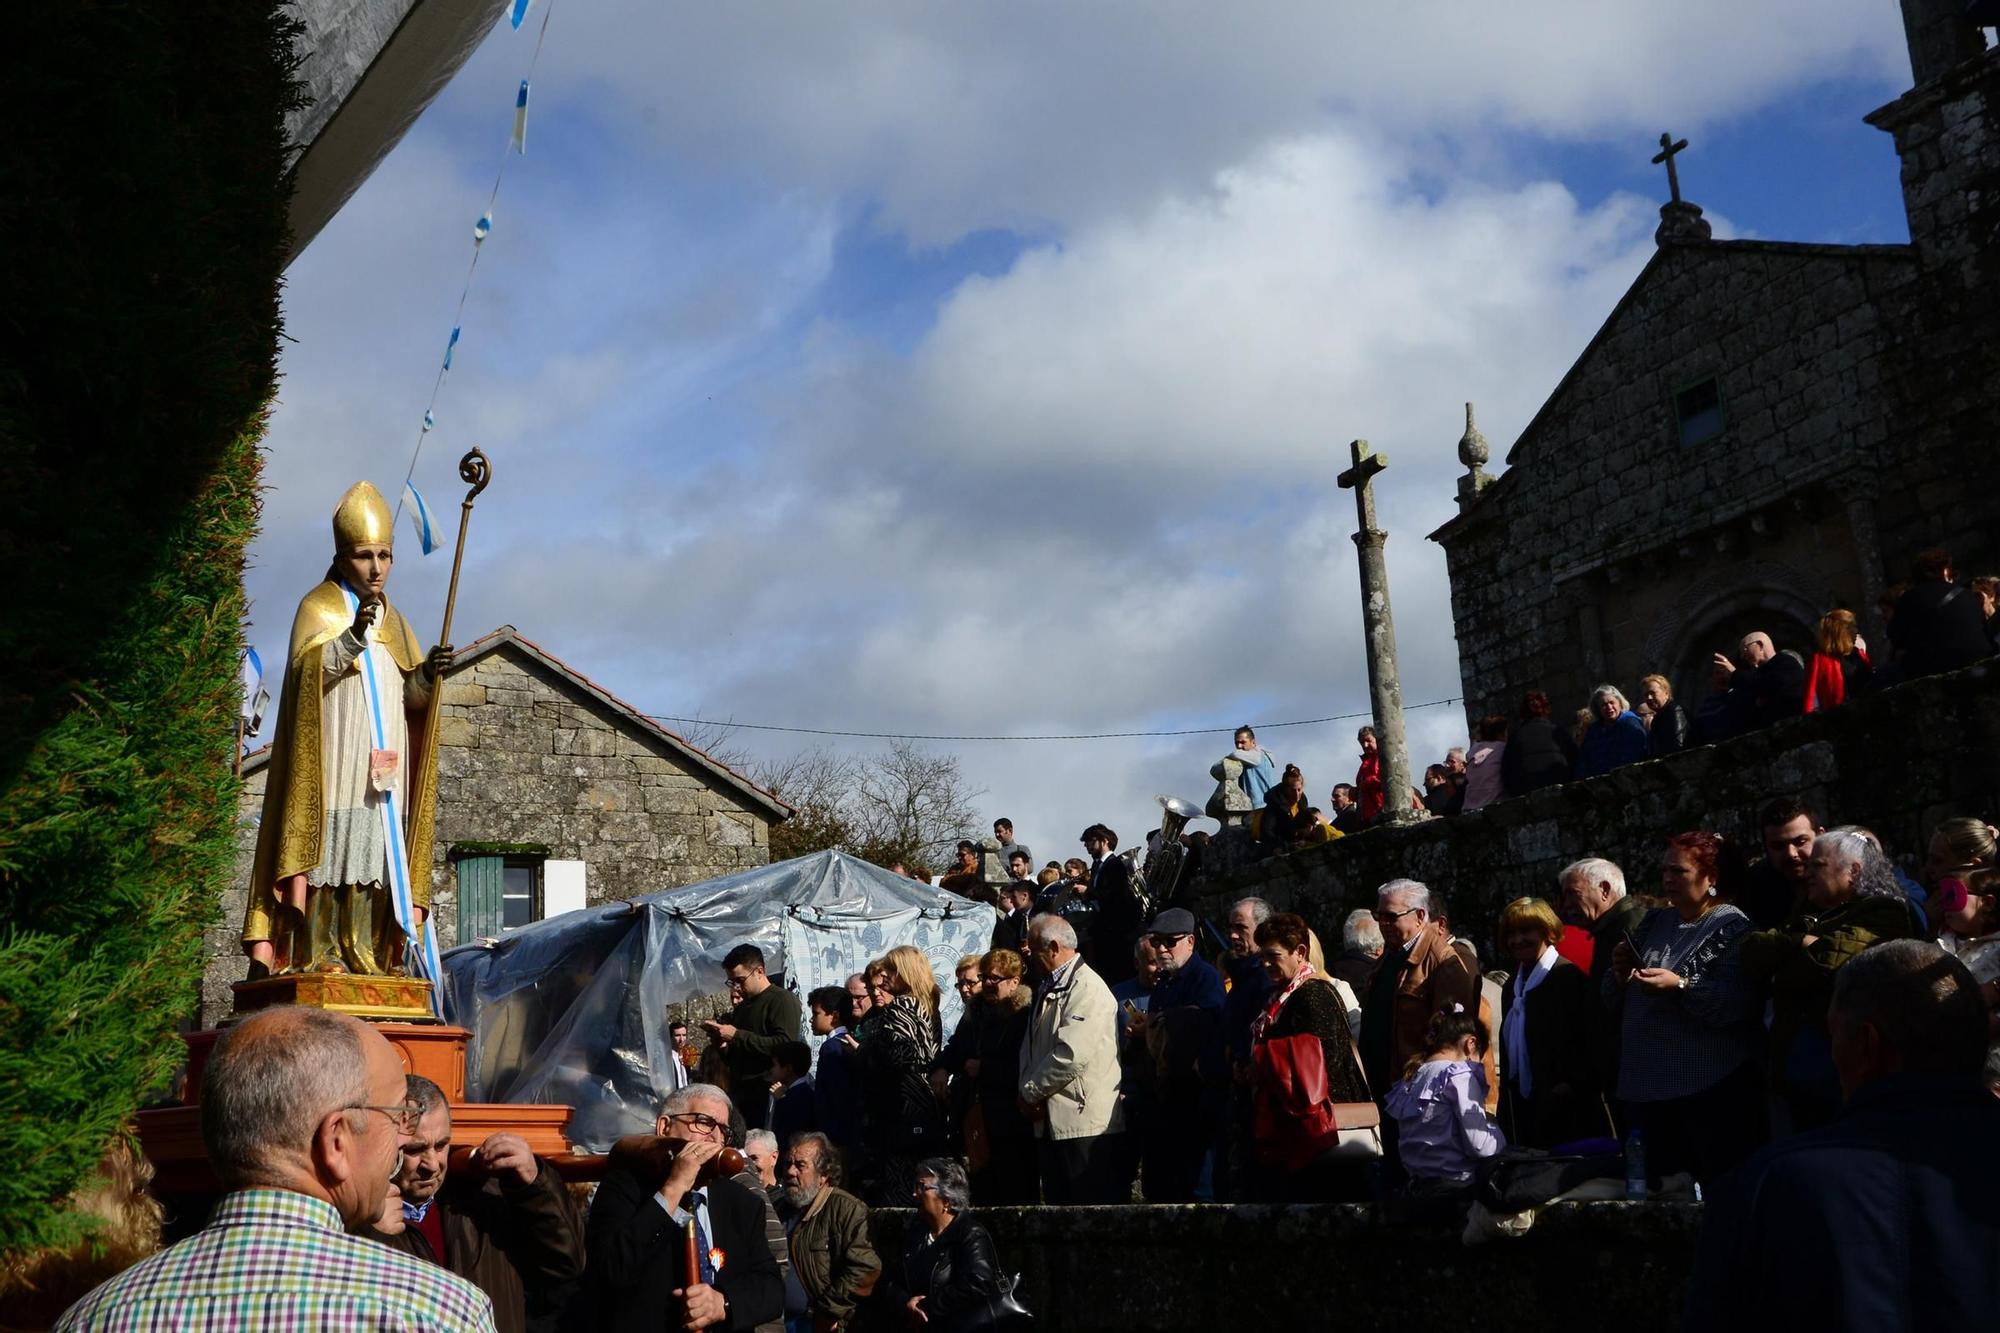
(481, 886)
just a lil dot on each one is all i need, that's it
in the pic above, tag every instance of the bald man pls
(304, 1117)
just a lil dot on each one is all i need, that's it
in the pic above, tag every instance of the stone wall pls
(526, 756)
(1204, 1268)
(1897, 762)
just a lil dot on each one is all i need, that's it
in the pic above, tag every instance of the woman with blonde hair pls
(903, 1121)
(1672, 730)
(1549, 1092)
(1840, 665)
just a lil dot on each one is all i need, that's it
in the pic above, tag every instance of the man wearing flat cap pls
(1179, 1023)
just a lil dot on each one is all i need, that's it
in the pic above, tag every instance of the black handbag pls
(1004, 1311)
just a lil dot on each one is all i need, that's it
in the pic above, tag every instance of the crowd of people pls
(1669, 1036)
(1936, 624)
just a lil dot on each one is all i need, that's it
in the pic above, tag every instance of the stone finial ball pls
(1472, 449)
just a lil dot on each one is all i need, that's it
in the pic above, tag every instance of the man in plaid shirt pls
(303, 1115)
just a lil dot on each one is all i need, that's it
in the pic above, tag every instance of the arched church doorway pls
(1722, 626)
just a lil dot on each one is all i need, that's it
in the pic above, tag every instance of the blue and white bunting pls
(255, 697)
(420, 514)
(430, 422)
(519, 143)
(448, 347)
(521, 8)
(482, 228)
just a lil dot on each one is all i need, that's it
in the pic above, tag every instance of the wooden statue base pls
(399, 999)
(171, 1136)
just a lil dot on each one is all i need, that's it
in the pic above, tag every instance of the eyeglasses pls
(1166, 941)
(924, 1189)
(1381, 915)
(405, 1117)
(708, 1124)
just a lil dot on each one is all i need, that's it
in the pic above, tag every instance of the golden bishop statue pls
(351, 785)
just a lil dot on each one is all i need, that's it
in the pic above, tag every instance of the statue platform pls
(397, 999)
(170, 1136)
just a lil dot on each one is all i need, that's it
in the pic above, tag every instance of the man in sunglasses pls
(637, 1234)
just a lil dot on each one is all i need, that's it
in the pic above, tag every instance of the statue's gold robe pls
(293, 835)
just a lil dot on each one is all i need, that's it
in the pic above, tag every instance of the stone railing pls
(1204, 1268)
(1897, 762)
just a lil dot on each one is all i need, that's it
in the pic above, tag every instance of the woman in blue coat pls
(1616, 737)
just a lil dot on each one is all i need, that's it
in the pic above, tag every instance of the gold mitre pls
(363, 519)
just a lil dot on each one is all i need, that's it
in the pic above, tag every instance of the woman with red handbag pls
(1314, 1126)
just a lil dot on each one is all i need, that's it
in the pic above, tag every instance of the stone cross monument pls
(1385, 687)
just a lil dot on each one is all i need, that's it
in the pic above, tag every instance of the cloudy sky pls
(948, 366)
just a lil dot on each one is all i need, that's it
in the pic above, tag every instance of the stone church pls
(1760, 431)
(553, 795)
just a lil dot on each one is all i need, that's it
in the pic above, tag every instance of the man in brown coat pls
(834, 1264)
(505, 1222)
(1419, 974)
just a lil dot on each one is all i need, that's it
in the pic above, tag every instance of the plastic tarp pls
(573, 1010)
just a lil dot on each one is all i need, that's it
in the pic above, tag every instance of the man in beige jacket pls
(1069, 1073)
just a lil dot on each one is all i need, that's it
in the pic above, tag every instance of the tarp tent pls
(572, 1010)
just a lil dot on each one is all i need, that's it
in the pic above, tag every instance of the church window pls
(520, 893)
(1698, 411)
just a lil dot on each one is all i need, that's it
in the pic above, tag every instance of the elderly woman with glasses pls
(984, 1057)
(949, 1266)
(1852, 902)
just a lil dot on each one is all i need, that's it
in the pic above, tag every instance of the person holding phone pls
(1689, 1036)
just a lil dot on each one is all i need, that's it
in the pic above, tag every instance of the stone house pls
(553, 795)
(1760, 431)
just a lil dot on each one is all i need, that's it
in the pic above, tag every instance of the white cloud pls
(1098, 493)
(963, 115)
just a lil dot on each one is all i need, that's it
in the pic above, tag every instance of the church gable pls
(1708, 447)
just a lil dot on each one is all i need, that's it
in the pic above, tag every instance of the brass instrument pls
(1158, 878)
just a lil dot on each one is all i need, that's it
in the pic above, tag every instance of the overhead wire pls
(729, 724)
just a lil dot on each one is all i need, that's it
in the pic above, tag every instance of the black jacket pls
(954, 1272)
(1938, 626)
(1886, 1219)
(1778, 689)
(520, 1244)
(1118, 919)
(1623, 919)
(1671, 732)
(637, 1257)
(1539, 754)
(1563, 1018)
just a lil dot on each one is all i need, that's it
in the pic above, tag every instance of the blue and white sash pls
(422, 955)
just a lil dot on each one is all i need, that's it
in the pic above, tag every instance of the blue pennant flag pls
(430, 422)
(521, 8)
(420, 514)
(483, 227)
(449, 346)
(520, 140)
(255, 697)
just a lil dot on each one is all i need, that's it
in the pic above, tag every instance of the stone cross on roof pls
(1668, 148)
(1681, 222)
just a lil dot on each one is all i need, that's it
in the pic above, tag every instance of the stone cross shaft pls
(1385, 688)
(1669, 148)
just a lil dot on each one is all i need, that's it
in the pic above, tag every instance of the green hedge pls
(143, 220)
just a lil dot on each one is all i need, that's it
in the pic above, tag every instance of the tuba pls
(1156, 874)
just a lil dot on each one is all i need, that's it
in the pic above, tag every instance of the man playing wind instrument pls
(344, 849)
